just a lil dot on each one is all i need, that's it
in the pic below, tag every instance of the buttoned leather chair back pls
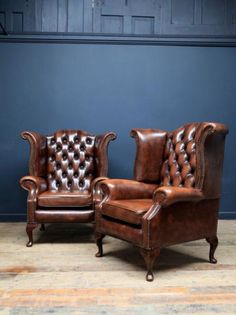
(180, 158)
(62, 170)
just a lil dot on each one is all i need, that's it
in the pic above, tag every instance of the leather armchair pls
(174, 196)
(63, 169)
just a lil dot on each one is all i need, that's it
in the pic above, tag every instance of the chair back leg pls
(99, 237)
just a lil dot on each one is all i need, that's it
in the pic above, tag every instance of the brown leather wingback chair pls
(174, 196)
(62, 171)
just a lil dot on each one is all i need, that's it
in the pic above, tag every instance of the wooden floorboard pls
(60, 275)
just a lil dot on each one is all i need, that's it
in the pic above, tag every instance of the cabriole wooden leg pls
(99, 237)
(213, 245)
(29, 230)
(149, 256)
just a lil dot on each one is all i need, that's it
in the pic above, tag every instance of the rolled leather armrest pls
(165, 196)
(126, 189)
(38, 184)
(95, 188)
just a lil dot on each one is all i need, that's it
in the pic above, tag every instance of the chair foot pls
(29, 230)
(99, 237)
(149, 276)
(213, 241)
(42, 227)
(149, 256)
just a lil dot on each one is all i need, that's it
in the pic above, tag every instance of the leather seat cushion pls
(64, 199)
(131, 210)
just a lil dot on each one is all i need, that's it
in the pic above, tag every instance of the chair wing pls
(174, 196)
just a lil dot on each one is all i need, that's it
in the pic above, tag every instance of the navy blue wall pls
(44, 87)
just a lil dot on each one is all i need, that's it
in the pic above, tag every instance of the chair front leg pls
(149, 256)
(29, 230)
(213, 241)
(31, 224)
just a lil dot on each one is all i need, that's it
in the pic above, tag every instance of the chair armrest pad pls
(126, 189)
(95, 188)
(38, 184)
(165, 196)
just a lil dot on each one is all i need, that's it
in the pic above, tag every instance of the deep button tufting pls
(69, 184)
(88, 140)
(82, 147)
(179, 163)
(82, 166)
(58, 147)
(58, 183)
(191, 133)
(173, 170)
(66, 161)
(81, 183)
(76, 139)
(179, 147)
(182, 158)
(178, 136)
(64, 139)
(190, 147)
(64, 156)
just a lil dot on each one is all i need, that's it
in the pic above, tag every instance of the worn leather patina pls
(174, 196)
(63, 169)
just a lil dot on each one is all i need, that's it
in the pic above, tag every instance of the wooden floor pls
(60, 275)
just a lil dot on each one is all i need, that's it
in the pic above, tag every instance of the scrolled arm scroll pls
(96, 191)
(34, 184)
(126, 189)
(166, 196)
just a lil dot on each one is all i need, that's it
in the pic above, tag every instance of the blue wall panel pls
(44, 87)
